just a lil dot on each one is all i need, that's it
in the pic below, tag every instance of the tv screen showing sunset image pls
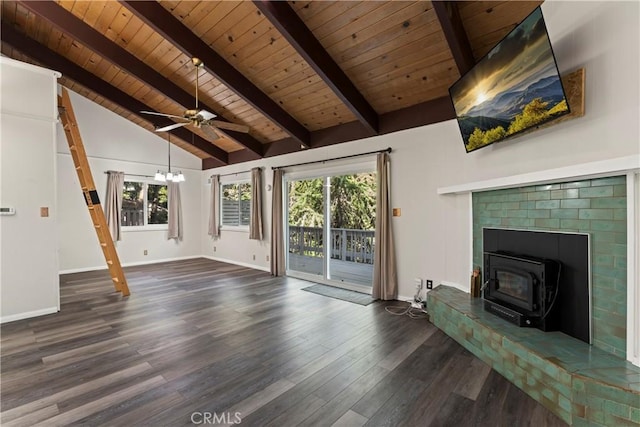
(515, 87)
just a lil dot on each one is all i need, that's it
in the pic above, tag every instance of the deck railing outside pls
(131, 217)
(346, 244)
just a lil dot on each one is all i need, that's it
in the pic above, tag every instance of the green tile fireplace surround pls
(582, 384)
(595, 206)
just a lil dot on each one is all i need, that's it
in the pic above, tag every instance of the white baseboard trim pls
(403, 298)
(130, 264)
(241, 264)
(28, 314)
(82, 270)
(156, 261)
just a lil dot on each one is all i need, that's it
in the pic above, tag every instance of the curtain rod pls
(134, 174)
(386, 150)
(236, 173)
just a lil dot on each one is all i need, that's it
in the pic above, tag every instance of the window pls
(235, 204)
(144, 204)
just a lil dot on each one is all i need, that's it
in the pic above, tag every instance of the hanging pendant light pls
(159, 176)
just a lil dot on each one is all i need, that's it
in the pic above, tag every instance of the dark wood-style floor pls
(199, 337)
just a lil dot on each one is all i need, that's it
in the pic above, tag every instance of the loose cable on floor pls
(414, 313)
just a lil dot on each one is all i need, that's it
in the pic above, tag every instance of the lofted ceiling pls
(299, 74)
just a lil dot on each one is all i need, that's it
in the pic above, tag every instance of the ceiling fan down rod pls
(198, 63)
(197, 86)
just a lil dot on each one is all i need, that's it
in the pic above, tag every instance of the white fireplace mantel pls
(617, 166)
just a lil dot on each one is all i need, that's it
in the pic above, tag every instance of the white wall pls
(433, 235)
(113, 143)
(28, 249)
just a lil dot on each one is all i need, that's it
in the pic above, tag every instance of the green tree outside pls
(353, 202)
(157, 205)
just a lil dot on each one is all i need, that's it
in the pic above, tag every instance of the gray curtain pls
(214, 207)
(255, 224)
(113, 204)
(277, 232)
(385, 282)
(175, 211)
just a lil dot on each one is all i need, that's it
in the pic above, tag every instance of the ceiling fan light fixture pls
(159, 176)
(169, 176)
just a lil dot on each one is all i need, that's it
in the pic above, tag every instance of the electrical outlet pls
(267, 258)
(254, 257)
(429, 284)
(418, 282)
(146, 252)
(214, 249)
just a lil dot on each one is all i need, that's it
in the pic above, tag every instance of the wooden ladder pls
(70, 126)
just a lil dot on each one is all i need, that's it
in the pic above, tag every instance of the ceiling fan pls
(201, 119)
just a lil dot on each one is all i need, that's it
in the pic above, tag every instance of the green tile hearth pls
(582, 384)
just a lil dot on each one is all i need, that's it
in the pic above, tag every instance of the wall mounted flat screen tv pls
(514, 87)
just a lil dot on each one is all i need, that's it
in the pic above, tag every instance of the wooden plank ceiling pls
(300, 74)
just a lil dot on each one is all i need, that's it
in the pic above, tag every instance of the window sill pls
(132, 228)
(234, 228)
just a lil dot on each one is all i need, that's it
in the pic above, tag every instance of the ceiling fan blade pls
(171, 127)
(162, 114)
(228, 125)
(210, 132)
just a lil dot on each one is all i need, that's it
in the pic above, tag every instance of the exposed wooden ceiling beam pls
(451, 23)
(426, 113)
(289, 24)
(66, 22)
(163, 22)
(54, 61)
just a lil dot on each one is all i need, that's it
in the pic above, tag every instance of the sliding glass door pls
(352, 205)
(306, 226)
(330, 223)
